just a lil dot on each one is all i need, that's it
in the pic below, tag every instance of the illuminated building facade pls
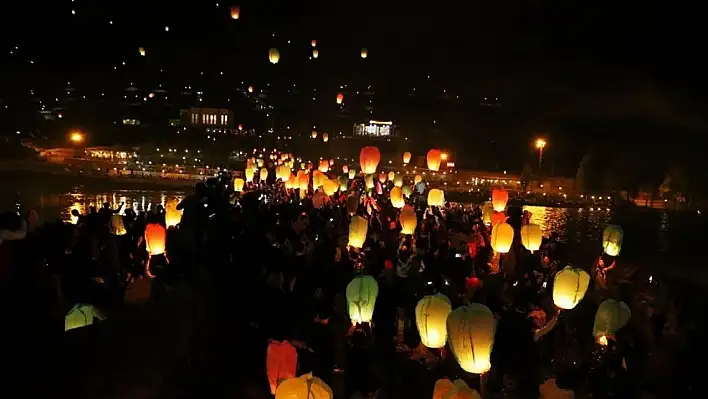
(213, 117)
(374, 129)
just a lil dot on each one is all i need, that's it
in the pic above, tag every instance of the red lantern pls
(472, 282)
(281, 363)
(498, 217)
(388, 264)
(340, 98)
(369, 158)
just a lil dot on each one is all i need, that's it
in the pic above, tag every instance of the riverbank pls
(49, 179)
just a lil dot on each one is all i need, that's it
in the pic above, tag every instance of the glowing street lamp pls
(540, 144)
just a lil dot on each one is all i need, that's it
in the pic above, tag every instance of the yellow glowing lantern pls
(331, 162)
(398, 181)
(282, 172)
(142, 51)
(317, 179)
(248, 174)
(499, 199)
(117, 226)
(446, 389)
(304, 387)
(352, 174)
(364, 53)
(345, 169)
(569, 287)
(531, 236)
(406, 157)
(250, 89)
(407, 191)
(361, 298)
(436, 197)
(340, 98)
(502, 237)
(172, 215)
(358, 228)
(369, 158)
(323, 166)
(273, 56)
(315, 53)
(470, 332)
(382, 177)
(263, 174)
(330, 187)
(313, 43)
(391, 176)
(408, 220)
(260, 162)
(430, 316)
(313, 134)
(325, 137)
(487, 211)
(82, 315)
(303, 182)
(155, 236)
(235, 12)
(612, 239)
(292, 182)
(417, 179)
(369, 181)
(352, 204)
(610, 317)
(434, 158)
(397, 200)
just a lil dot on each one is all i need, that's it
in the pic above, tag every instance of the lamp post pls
(540, 144)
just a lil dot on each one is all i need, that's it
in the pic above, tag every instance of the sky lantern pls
(436, 197)
(343, 183)
(155, 236)
(304, 386)
(313, 134)
(397, 198)
(325, 137)
(417, 179)
(291, 183)
(430, 317)
(313, 43)
(281, 363)
(499, 199)
(238, 184)
(282, 172)
(340, 98)
(569, 287)
(235, 12)
(398, 181)
(364, 53)
(369, 181)
(497, 217)
(369, 158)
(487, 211)
(81, 315)
(406, 157)
(361, 298)
(408, 220)
(391, 176)
(172, 215)
(345, 169)
(502, 237)
(612, 239)
(317, 179)
(142, 52)
(263, 174)
(434, 158)
(382, 177)
(330, 187)
(352, 204)
(117, 226)
(319, 199)
(273, 56)
(352, 174)
(303, 181)
(531, 236)
(358, 227)
(610, 317)
(323, 166)
(315, 53)
(250, 89)
(248, 174)
(470, 332)
(446, 389)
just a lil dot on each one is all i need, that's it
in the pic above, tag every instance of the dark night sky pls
(547, 60)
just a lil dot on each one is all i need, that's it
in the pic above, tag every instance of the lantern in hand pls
(238, 184)
(358, 227)
(470, 332)
(502, 237)
(172, 215)
(612, 239)
(610, 317)
(569, 287)
(117, 226)
(155, 237)
(281, 363)
(408, 220)
(304, 387)
(369, 158)
(499, 199)
(436, 197)
(531, 237)
(430, 317)
(361, 298)
(446, 389)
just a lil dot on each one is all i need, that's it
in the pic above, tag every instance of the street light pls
(540, 144)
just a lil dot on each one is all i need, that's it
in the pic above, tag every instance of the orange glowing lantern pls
(263, 174)
(248, 174)
(382, 177)
(323, 166)
(235, 12)
(497, 217)
(369, 158)
(304, 387)
(330, 187)
(325, 137)
(398, 181)
(141, 50)
(391, 176)
(446, 389)
(364, 53)
(406, 157)
(408, 220)
(502, 237)
(397, 200)
(340, 98)
(436, 197)
(155, 237)
(434, 158)
(369, 181)
(470, 331)
(281, 363)
(273, 56)
(499, 199)
(303, 181)
(313, 43)
(358, 227)
(417, 179)
(314, 134)
(282, 172)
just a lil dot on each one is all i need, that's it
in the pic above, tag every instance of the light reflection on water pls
(570, 224)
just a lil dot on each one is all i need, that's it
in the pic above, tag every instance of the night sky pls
(565, 69)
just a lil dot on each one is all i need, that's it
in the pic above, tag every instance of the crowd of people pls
(268, 265)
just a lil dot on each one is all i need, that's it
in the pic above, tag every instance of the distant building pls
(208, 117)
(374, 129)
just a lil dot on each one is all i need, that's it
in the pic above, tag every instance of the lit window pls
(226, 119)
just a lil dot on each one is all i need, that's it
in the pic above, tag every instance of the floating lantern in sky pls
(155, 236)
(397, 200)
(358, 227)
(340, 98)
(235, 12)
(436, 197)
(612, 239)
(499, 199)
(364, 53)
(398, 181)
(325, 137)
(406, 157)
(263, 175)
(315, 53)
(470, 331)
(430, 317)
(142, 52)
(502, 237)
(369, 158)
(569, 287)
(408, 220)
(238, 184)
(314, 134)
(417, 179)
(434, 158)
(352, 174)
(250, 89)
(361, 297)
(531, 237)
(352, 204)
(273, 56)
(313, 43)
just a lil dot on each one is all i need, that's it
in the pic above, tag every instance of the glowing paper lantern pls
(172, 216)
(406, 157)
(352, 204)
(364, 53)
(343, 183)
(610, 317)
(314, 134)
(235, 12)
(325, 137)
(569, 287)
(369, 181)
(391, 176)
(407, 191)
(417, 179)
(317, 179)
(117, 226)
(398, 181)
(323, 166)
(304, 387)
(487, 211)
(382, 177)
(361, 298)
(498, 217)
(282, 172)
(358, 227)
(248, 174)
(291, 182)
(531, 236)
(612, 239)
(352, 174)
(434, 158)
(319, 199)
(345, 169)
(81, 315)
(340, 98)
(499, 199)
(281, 363)
(263, 175)
(430, 317)
(303, 181)
(436, 197)
(313, 43)
(315, 53)
(446, 389)
(408, 220)
(250, 89)
(330, 187)
(502, 237)
(397, 200)
(141, 50)
(273, 56)
(155, 236)
(470, 332)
